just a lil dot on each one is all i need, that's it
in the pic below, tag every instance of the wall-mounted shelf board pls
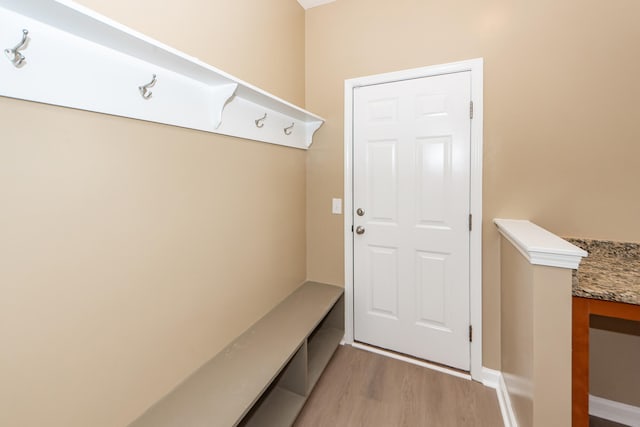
(75, 57)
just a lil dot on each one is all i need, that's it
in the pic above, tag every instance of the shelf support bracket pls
(221, 96)
(312, 127)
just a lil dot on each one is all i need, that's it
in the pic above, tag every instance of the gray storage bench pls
(264, 377)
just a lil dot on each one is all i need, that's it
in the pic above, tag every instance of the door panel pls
(384, 282)
(411, 178)
(433, 164)
(383, 180)
(431, 289)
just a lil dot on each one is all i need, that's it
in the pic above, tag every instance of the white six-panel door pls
(411, 172)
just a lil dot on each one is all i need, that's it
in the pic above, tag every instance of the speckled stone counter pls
(611, 272)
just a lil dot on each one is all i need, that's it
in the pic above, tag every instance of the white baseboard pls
(494, 379)
(490, 377)
(614, 411)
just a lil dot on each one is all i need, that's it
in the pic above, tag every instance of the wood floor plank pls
(359, 388)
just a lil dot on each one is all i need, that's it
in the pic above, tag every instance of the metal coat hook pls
(144, 90)
(260, 121)
(13, 54)
(288, 130)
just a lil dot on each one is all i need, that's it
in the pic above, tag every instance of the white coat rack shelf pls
(58, 52)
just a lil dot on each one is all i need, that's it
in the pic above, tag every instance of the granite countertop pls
(611, 272)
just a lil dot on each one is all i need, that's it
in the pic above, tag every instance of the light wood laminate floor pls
(359, 388)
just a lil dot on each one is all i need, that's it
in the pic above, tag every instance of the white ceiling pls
(308, 4)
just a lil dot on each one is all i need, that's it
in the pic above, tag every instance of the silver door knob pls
(360, 211)
(359, 229)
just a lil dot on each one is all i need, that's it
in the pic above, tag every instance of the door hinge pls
(471, 109)
(470, 222)
(352, 228)
(470, 333)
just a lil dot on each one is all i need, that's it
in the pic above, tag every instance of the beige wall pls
(261, 42)
(614, 349)
(516, 331)
(536, 337)
(131, 252)
(561, 113)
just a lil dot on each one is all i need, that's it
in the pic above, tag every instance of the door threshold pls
(412, 360)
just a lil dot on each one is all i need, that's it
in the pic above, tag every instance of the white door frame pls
(475, 66)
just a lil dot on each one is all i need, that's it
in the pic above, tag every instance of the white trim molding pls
(504, 400)
(539, 246)
(475, 66)
(494, 379)
(490, 377)
(614, 411)
(308, 4)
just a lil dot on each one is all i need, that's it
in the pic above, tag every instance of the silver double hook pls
(14, 55)
(260, 121)
(288, 130)
(144, 90)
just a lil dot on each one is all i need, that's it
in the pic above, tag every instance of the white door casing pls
(423, 242)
